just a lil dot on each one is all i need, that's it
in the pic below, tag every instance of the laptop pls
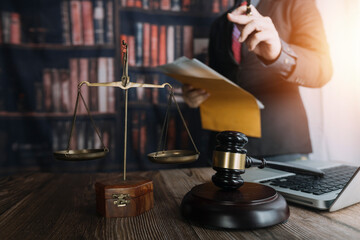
(339, 187)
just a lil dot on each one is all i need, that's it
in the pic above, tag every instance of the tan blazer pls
(283, 121)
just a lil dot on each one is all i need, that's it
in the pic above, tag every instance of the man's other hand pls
(194, 97)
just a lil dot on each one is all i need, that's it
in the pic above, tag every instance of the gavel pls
(230, 161)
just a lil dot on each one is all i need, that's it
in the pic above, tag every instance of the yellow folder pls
(229, 107)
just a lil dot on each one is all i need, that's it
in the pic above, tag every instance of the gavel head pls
(229, 160)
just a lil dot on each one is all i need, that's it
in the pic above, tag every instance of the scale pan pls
(80, 155)
(174, 156)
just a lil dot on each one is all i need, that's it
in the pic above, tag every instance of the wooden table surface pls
(62, 206)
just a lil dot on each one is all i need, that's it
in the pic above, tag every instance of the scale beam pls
(160, 156)
(120, 85)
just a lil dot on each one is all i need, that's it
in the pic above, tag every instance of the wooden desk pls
(62, 206)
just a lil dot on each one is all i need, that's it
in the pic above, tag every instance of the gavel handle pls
(250, 161)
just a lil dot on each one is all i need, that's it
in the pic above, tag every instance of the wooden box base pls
(251, 206)
(125, 198)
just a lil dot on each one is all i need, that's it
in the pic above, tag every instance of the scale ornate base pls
(250, 206)
(127, 198)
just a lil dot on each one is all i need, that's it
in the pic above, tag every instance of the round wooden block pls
(250, 206)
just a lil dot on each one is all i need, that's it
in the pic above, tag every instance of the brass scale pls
(160, 156)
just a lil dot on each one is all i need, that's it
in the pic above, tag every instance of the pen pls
(248, 8)
(286, 167)
(242, 3)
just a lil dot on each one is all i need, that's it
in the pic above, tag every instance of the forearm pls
(301, 66)
(308, 60)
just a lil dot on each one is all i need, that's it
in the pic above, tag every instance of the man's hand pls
(194, 96)
(258, 32)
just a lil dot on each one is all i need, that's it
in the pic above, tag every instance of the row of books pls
(84, 135)
(10, 27)
(209, 6)
(87, 22)
(154, 45)
(58, 90)
(142, 128)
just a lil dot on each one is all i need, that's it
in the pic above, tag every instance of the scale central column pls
(125, 130)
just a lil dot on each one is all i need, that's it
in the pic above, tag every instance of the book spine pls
(226, 4)
(65, 90)
(188, 36)
(146, 44)
(88, 22)
(178, 41)
(73, 140)
(1, 31)
(184, 136)
(165, 5)
(81, 135)
(111, 90)
(109, 23)
(138, 3)
(175, 5)
(55, 141)
(47, 89)
(171, 140)
(15, 28)
(178, 94)
(170, 47)
(200, 48)
(5, 17)
(76, 22)
(186, 5)
(74, 79)
(123, 3)
(139, 43)
(155, 5)
(102, 91)
(148, 91)
(97, 142)
(216, 6)
(162, 45)
(93, 91)
(140, 92)
(145, 4)
(135, 131)
(143, 137)
(155, 92)
(39, 97)
(84, 76)
(130, 3)
(132, 52)
(154, 45)
(65, 21)
(89, 136)
(106, 137)
(56, 90)
(99, 22)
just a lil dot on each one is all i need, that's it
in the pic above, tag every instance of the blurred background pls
(48, 47)
(334, 110)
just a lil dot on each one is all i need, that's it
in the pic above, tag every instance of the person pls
(283, 46)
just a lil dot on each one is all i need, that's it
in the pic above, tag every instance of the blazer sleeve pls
(313, 66)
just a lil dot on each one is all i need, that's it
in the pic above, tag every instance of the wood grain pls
(62, 206)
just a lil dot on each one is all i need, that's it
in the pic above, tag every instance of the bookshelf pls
(47, 47)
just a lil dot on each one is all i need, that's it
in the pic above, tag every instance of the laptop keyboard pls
(335, 178)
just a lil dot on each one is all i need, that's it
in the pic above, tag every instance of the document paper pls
(229, 107)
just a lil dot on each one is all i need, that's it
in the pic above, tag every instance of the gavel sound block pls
(229, 202)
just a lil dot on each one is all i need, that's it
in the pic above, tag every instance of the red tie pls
(236, 45)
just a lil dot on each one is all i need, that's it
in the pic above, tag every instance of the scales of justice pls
(226, 202)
